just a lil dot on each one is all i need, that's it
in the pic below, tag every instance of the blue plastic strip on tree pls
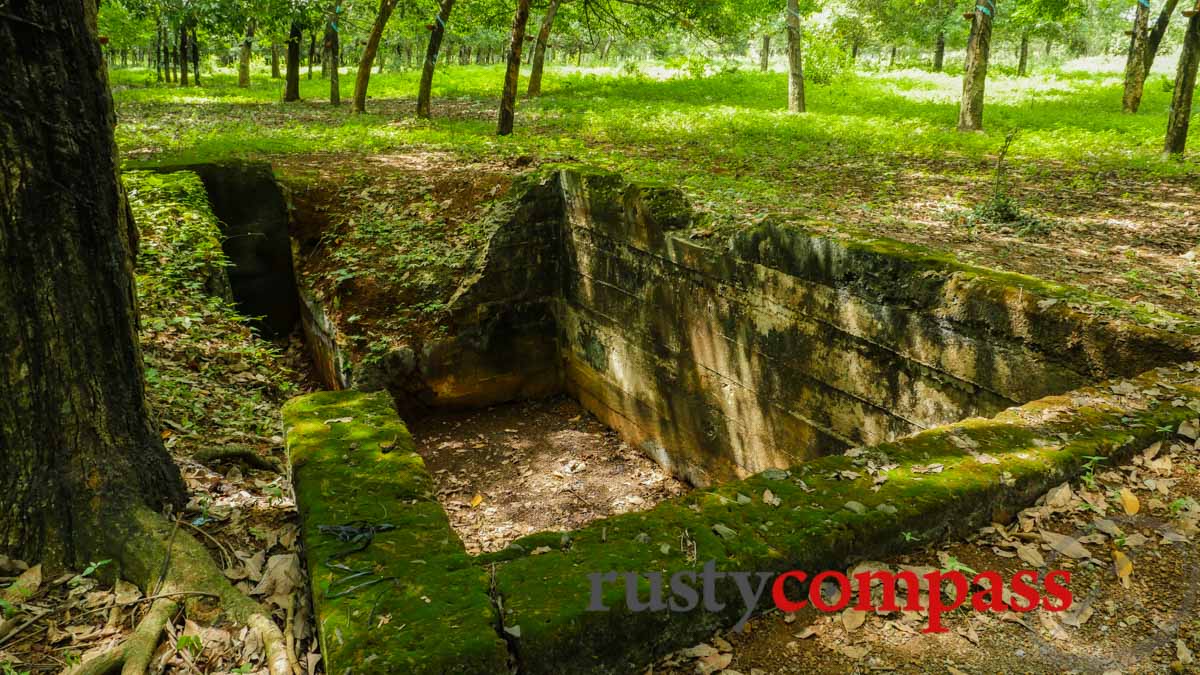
(440, 21)
(1144, 3)
(985, 10)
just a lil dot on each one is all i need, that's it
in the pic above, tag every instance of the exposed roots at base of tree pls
(170, 565)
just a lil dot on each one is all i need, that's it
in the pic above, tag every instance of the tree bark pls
(437, 30)
(312, 52)
(1023, 55)
(158, 73)
(1135, 61)
(195, 43)
(892, 58)
(939, 52)
(970, 112)
(539, 50)
(76, 439)
(183, 55)
(247, 52)
(333, 48)
(368, 55)
(274, 61)
(764, 56)
(291, 91)
(512, 75)
(1156, 34)
(795, 59)
(1185, 85)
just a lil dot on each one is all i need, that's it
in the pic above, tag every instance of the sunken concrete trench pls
(746, 366)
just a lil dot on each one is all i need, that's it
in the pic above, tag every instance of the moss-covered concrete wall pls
(726, 358)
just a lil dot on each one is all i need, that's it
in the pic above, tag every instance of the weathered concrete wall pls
(724, 358)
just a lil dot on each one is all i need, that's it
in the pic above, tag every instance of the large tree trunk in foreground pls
(291, 90)
(368, 56)
(244, 56)
(1185, 85)
(1156, 34)
(1135, 61)
(76, 440)
(539, 50)
(1023, 56)
(85, 471)
(939, 52)
(764, 53)
(436, 32)
(512, 75)
(795, 61)
(970, 112)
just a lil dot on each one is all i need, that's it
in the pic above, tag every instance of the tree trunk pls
(854, 53)
(970, 112)
(512, 75)
(437, 31)
(246, 53)
(1023, 55)
(539, 50)
(764, 56)
(158, 74)
(892, 58)
(312, 52)
(77, 442)
(291, 90)
(195, 57)
(333, 48)
(939, 52)
(607, 48)
(183, 56)
(1185, 85)
(274, 61)
(1135, 61)
(368, 56)
(1157, 33)
(795, 61)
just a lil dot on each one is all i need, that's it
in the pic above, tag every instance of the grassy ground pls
(876, 152)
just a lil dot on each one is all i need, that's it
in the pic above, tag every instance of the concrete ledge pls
(409, 599)
(1033, 447)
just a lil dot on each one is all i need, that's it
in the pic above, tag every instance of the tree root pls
(153, 554)
(230, 453)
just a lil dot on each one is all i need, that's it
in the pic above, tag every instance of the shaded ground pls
(516, 469)
(1150, 626)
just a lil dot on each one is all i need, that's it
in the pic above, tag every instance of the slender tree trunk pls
(312, 52)
(892, 58)
(1023, 55)
(512, 76)
(1157, 33)
(158, 74)
(607, 48)
(1185, 86)
(274, 61)
(437, 30)
(795, 60)
(77, 442)
(1135, 62)
(333, 50)
(764, 56)
(195, 42)
(939, 52)
(979, 44)
(854, 53)
(291, 91)
(247, 52)
(539, 50)
(183, 56)
(368, 55)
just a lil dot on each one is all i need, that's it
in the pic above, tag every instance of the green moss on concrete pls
(411, 601)
(1017, 456)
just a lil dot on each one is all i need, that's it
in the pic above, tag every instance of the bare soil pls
(549, 465)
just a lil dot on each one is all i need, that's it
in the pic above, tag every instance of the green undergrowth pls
(210, 379)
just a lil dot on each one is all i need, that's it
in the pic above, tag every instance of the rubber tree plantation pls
(599, 336)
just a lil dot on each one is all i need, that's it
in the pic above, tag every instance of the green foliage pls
(1000, 209)
(826, 59)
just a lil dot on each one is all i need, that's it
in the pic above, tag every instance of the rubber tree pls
(333, 52)
(970, 111)
(1154, 40)
(1135, 60)
(246, 52)
(437, 31)
(85, 471)
(368, 56)
(512, 74)
(795, 59)
(1023, 55)
(539, 49)
(1185, 86)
